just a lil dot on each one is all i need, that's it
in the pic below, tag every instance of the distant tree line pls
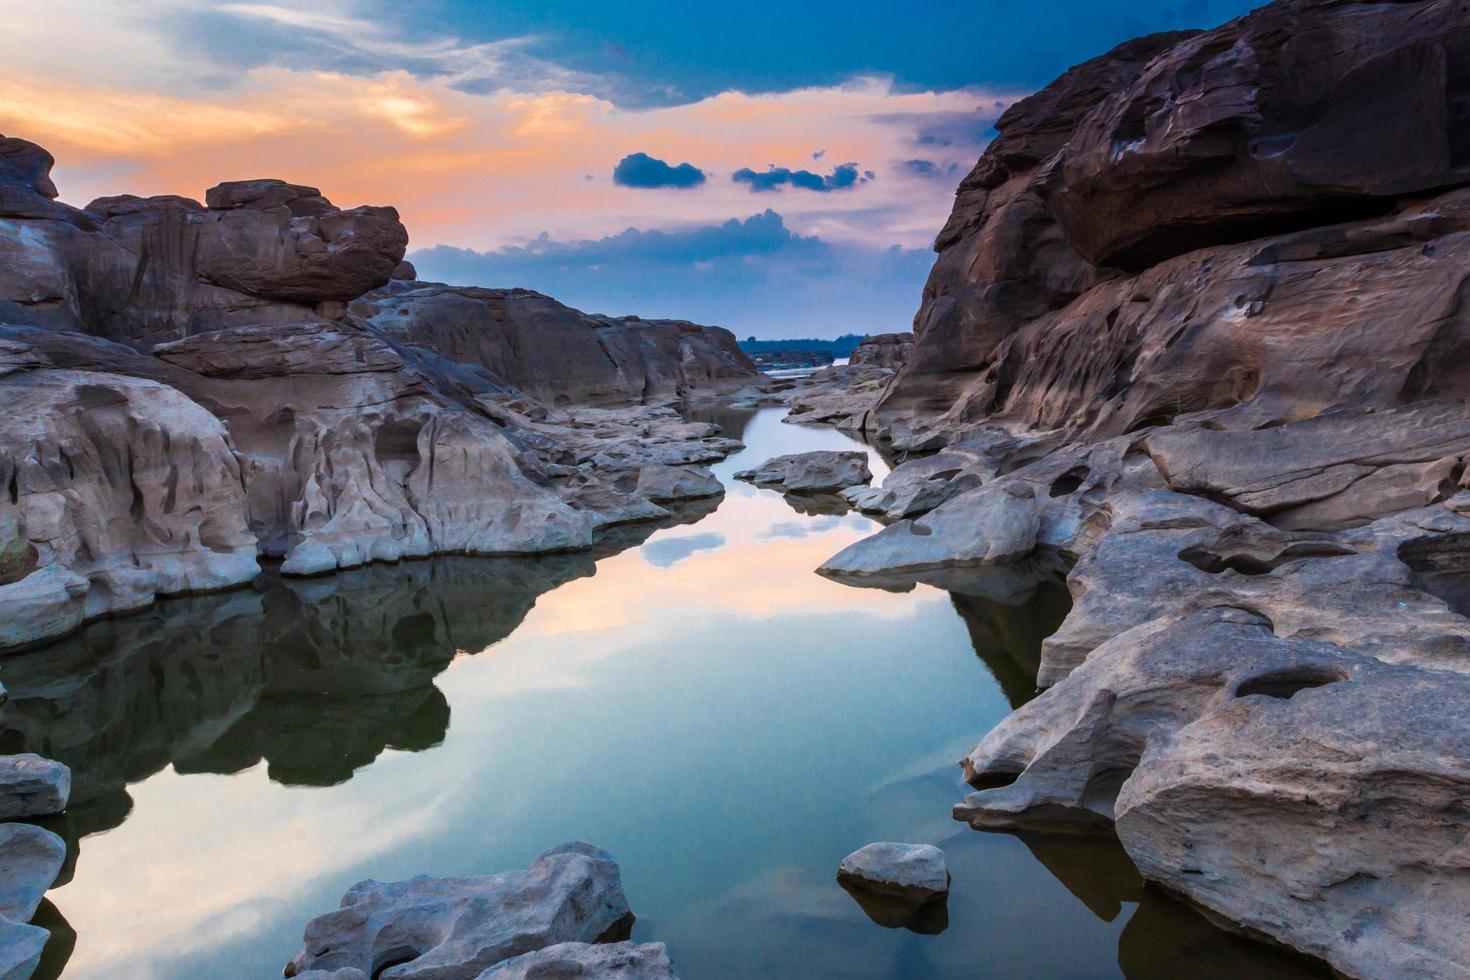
(836, 347)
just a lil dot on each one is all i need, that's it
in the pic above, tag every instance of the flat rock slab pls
(612, 961)
(456, 928)
(32, 786)
(913, 871)
(30, 860)
(823, 471)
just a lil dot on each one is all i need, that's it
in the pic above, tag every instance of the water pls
(727, 723)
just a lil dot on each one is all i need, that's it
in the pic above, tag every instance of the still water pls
(691, 697)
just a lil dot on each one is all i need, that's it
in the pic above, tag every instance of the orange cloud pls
(483, 170)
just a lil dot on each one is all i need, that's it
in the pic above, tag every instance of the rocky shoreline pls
(1196, 338)
(1197, 331)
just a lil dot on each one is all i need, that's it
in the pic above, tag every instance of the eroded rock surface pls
(884, 350)
(1197, 330)
(190, 390)
(612, 961)
(822, 471)
(32, 786)
(913, 871)
(556, 353)
(457, 928)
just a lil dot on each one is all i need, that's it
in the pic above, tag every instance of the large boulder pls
(554, 352)
(457, 928)
(30, 860)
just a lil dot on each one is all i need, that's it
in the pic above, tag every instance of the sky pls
(780, 169)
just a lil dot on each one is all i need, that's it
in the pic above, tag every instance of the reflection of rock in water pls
(59, 947)
(1164, 938)
(1007, 634)
(895, 912)
(314, 676)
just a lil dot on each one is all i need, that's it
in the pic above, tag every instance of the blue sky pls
(582, 149)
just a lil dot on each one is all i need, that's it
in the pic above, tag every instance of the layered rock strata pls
(1197, 330)
(190, 392)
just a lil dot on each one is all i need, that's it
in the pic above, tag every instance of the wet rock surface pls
(813, 472)
(460, 927)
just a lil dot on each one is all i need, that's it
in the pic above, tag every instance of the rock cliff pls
(1198, 328)
(189, 391)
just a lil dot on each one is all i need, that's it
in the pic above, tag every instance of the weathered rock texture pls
(1198, 328)
(913, 871)
(607, 961)
(457, 928)
(187, 390)
(1194, 222)
(821, 471)
(30, 860)
(884, 350)
(31, 786)
(554, 352)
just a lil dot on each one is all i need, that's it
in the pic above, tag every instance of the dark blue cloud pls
(842, 177)
(755, 276)
(642, 170)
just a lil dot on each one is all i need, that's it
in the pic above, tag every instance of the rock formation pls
(609, 961)
(190, 392)
(820, 471)
(884, 350)
(553, 352)
(457, 928)
(30, 860)
(1198, 329)
(913, 871)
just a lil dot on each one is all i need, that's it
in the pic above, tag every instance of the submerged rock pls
(610, 961)
(456, 928)
(32, 786)
(823, 471)
(912, 871)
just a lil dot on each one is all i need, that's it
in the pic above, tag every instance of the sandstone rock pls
(993, 525)
(31, 786)
(913, 871)
(140, 270)
(613, 961)
(30, 859)
(554, 352)
(405, 270)
(884, 350)
(122, 490)
(823, 471)
(1162, 232)
(452, 928)
(350, 455)
(1203, 310)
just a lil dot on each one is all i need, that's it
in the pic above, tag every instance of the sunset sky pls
(779, 169)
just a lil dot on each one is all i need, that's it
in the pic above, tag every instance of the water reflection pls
(726, 722)
(315, 677)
